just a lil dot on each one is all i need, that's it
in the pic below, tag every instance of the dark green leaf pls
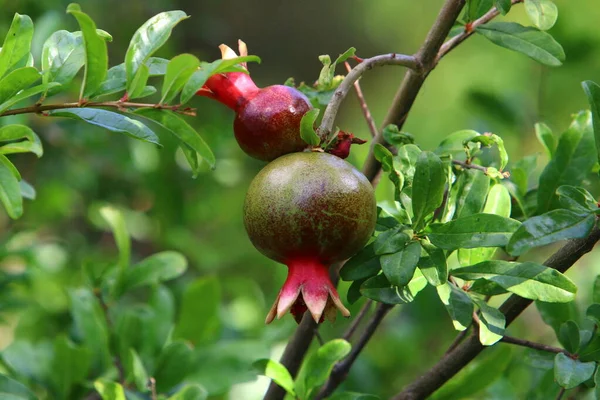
(30, 360)
(458, 304)
(277, 372)
(576, 199)
(487, 288)
(569, 373)
(307, 127)
(536, 44)
(14, 390)
(491, 328)
(17, 44)
(70, 365)
(190, 392)
(543, 13)
(472, 188)
(555, 314)
(477, 230)
(319, 364)
(109, 390)
(503, 6)
(528, 279)
(428, 187)
(174, 364)
(63, 55)
(96, 53)
(378, 288)
(26, 94)
(17, 80)
(573, 160)
(390, 241)
(157, 268)
(399, 267)
(476, 8)
(546, 138)
(363, 264)
(135, 371)
(15, 132)
(354, 294)
(592, 90)
(10, 191)
(593, 313)
(149, 38)
(109, 120)
(178, 127)
(395, 137)
(179, 71)
(434, 267)
(198, 320)
(568, 335)
(548, 228)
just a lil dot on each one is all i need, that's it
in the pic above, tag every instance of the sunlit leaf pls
(543, 13)
(17, 44)
(277, 372)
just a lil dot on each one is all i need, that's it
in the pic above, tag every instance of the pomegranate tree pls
(309, 210)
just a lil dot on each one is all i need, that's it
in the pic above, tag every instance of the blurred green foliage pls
(61, 239)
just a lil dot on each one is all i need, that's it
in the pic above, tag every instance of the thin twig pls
(470, 166)
(536, 346)
(561, 393)
(357, 320)
(120, 105)
(363, 104)
(340, 93)
(340, 371)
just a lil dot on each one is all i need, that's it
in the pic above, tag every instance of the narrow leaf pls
(319, 364)
(307, 127)
(363, 265)
(17, 80)
(10, 191)
(546, 138)
(139, 82)
(116, 222)
(16, 132)
(17, 44)
(428, 186)
(179, 71)
(399, 267)
(25, 94)
(592, 91)
(493, 322)
(277, 372)
(503, 6)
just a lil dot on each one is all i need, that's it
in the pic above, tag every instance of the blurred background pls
(478, 86)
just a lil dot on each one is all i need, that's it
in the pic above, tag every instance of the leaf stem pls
(536, 346)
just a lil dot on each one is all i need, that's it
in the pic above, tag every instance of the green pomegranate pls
(309, 210)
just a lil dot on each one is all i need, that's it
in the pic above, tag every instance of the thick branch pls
(120, 105)
(455, 360)
(340, 93)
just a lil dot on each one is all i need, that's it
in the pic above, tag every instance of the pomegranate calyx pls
(341, 147)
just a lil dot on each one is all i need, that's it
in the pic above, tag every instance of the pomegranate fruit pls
(267, 120)
(309, 210)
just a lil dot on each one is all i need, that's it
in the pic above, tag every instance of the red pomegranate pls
(267, 121)
(309, 210)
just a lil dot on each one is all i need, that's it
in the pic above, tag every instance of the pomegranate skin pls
(267, 124)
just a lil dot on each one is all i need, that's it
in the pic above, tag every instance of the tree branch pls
(455, 360)
(534, 345)
(363, 104)
(357, 320)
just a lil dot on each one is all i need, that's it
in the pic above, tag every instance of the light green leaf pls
(536, 44)
(493, 322)
(10, 191)
(307, 127)
(109, 390)
(70, 365)
(190, 392)
(135, 371)
(199, 320)
(546, 138)
(549, 228)
(477, 230)
(26, 94)
(399, 267)
(528, 279)
(149, 38)
(109, 120)
(543, 13)
(277, 372)
(96, 52)
(156, 268)
(569, 373)
(139, 82)
(63, 55)
(17, 80)
(17, 44)
(15, 132)
(458, 304)
(592, 91)
(15, 390)
(319, 365)
(179, 71)
(428, 187)
(115, 220)
(27, 191)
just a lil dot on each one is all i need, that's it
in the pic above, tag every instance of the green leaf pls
(555, 314)
(454, 144)
(115, 220)
(326, 77)
(395, 137)
(592, 91)
(399, 267)
(596, 290)
(546, 138)
(477, 230)
(568, 335)
(96, 52)
(17, 44)
(63, 55)
(70, 365)
(15, 132)
(10, 191)
(472, 188)
(536, 44)
(199, 77)
(179, 70)
(139, 82)
(503, 6)
(476, 8)
(458, 304)
(488, 140)
(378, 288)
(173, 364)
(528, 279)
(109, 390)
(390, 241)
(307, 127)
(428, 187)
(543, 13)
(149, 38)
(190, 392)
(199, 320)
(434, 267)
(17, 80)
(577, 199)
(549, 228)
(26, 94)
(179, 128)
(320, 363)
(15, 390)
(30, 360)
(135, 371)
(593, 313)
(157, 268)
(569, 373)
(363, 264)
(493, 322)
(352, 396)
(573, 160)
(277, 372)
(112, 121)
